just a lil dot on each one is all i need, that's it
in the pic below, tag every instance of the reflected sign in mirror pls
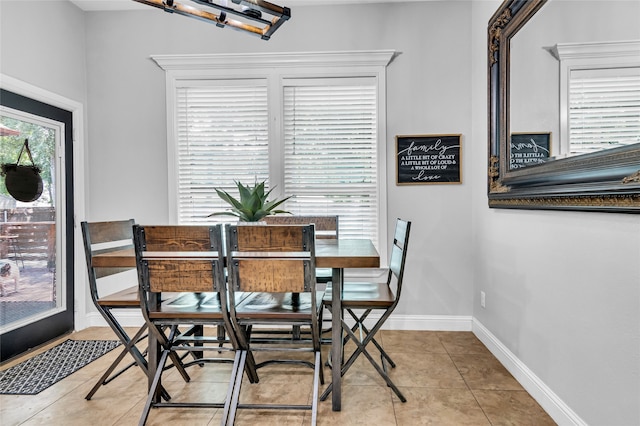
(528, 149)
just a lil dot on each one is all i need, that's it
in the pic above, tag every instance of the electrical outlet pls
(483, 299)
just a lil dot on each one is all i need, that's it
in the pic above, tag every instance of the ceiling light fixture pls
(249, 14)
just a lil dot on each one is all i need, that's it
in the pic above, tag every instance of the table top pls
(346, 253)
(341, 253)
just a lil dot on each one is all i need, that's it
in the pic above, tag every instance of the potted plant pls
(253, 205)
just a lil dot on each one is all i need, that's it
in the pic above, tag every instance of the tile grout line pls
(465, 381)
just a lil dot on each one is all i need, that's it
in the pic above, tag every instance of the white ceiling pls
(96, 5)
(90, 5)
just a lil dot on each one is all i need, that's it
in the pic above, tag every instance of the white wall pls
(562, 289)
(42, 56)
(42, 43)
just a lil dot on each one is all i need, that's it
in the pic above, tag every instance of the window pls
(604, 109)
(222, 136)
(315, 131)
(599, 95)
(330, 152)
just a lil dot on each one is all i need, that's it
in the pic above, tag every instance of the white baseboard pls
(128, 318)
(428, 322)
(560, 412)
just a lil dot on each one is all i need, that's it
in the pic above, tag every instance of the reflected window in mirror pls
(580, 42)
(599, 95)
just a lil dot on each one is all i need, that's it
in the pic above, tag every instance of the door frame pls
(78, 272)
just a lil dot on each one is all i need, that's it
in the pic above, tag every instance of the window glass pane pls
(222, 137)
(330, 154)
(30, 282)
(604, 108)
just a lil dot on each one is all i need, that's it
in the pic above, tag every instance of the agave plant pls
(253, 204)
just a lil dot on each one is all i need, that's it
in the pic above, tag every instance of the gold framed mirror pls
(604, 180)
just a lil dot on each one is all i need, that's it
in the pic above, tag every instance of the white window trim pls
(581, 56)
(280, 65)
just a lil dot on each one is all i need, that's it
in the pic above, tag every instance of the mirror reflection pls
(574, 77)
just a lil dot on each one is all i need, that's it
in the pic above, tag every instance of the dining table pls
(337, 254)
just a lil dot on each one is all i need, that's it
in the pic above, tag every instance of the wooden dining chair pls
(326, 228)
(189, 261)
(104, 237)
(265, 261)
(366, 297)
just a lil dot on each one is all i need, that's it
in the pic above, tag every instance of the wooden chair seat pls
(195, 310)
(128, 297)
(263, 306)
(363, 295)
(190, 305)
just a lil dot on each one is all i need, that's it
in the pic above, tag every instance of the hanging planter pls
(23, 182)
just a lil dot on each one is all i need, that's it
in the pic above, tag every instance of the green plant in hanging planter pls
(253, 205)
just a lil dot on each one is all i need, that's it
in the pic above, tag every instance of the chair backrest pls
(399, 253)
(326, 226)
(277, 259)
(182, 238)
(105, 237)
(178, 258)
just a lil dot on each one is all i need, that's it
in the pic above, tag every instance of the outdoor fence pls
(28, 234)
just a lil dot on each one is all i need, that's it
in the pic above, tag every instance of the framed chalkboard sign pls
(527, 149)
(427, 159)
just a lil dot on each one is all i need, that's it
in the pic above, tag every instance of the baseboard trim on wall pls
(395, 322)
(126, 318)
(427, 322)
(560, 412)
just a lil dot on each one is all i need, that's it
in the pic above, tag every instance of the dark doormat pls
(34, 375)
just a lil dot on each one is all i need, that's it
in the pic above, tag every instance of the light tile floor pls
(448, 378)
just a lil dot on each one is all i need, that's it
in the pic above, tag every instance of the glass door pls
(36, 232)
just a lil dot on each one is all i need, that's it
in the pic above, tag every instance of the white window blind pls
(228, 120)
(222, 136)
(604, 108)
(330, 152)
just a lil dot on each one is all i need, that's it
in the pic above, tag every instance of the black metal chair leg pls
(361, 349)
(360, 324)
(154, 387)
(233, 394)
(105, 376)
(177, 362)
(129, 347)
